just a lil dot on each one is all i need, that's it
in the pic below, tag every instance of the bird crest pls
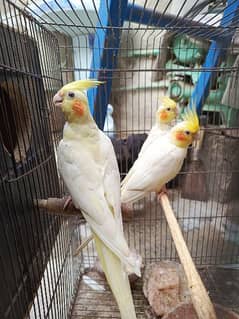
(190, 116)
(81, 85)
(166, 101)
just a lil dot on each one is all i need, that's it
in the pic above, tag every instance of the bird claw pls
(162, 192)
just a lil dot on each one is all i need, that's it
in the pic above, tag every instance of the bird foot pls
(163, 191)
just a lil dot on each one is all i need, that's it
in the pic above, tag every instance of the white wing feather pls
(153, 169)
(94, 184)
(155, 133)
(111, 179)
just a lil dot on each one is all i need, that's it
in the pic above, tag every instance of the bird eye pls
(168, 109)
(187, 132)
(71, 94)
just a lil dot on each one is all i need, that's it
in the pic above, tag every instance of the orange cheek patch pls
(163, 115)
(78, 108)
(180, 136)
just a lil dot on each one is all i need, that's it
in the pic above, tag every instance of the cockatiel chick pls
(161, 161)
(88, 166)
(165, 114)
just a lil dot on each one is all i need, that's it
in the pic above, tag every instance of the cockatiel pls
(87, 164)
(161, 161)
(165, 114)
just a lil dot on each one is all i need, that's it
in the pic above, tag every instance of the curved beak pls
(58, 99)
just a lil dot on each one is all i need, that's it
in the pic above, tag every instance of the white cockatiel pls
(161, 161)
(165, 115)
(88, 166)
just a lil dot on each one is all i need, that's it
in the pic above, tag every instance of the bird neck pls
(162, 126)
(78, 129)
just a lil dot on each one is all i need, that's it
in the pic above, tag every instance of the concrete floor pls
(94, 299)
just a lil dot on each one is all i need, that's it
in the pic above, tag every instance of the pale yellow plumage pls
(88, 166)
(165, 115)
(161, 162)
(81, 85)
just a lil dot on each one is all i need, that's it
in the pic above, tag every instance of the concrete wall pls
(134, 97)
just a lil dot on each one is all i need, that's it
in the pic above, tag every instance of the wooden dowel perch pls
(200, 299)
(56, 206)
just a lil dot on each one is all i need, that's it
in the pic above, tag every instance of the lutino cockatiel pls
(165, 114)
(88, 167)
(161, 161)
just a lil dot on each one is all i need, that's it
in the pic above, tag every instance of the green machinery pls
(184, 70)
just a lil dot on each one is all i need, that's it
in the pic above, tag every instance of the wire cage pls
(142, 50)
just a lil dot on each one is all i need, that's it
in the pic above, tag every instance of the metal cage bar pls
(142, 50)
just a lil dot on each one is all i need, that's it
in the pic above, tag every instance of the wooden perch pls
(56, 206)
(201, 301)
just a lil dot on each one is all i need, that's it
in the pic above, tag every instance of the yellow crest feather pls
(190, 116)
(81, 85)
(166, 101)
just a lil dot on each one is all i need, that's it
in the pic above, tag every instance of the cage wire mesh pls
(149, 49)
(36, 270)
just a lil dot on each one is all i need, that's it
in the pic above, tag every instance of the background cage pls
(142, 50)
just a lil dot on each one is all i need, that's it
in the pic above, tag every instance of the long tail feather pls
(131, 261)
(117, 279)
